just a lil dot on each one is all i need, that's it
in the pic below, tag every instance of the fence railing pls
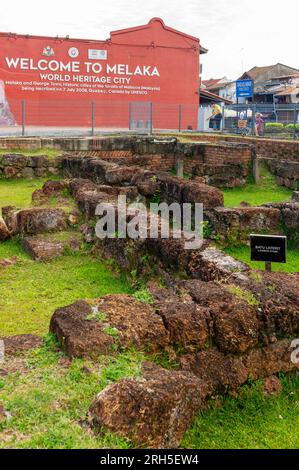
(28, 117)
(278, 120)
(69, 117)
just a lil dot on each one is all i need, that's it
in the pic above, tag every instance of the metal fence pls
(278, 120)
(33, 118)
(74, 118)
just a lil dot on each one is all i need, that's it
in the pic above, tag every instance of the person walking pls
(259, 125)
(215, 118)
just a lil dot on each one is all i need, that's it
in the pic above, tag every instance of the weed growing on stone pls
(99, 316)
(111, 331)
(242, 294)
(143, 295)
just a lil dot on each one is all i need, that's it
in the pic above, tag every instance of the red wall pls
(171, 58)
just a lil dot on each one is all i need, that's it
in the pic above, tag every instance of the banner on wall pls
(150, 63)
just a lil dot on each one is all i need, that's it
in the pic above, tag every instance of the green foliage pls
(186, 176)
(164, 360)
(48, 152)
(125, 364)
(279, 127)
(18, 192)
(98, 316)
(233, 237)
(292, 127)
(111, 331)
(31, 291)
(255, 276)
(242, 294)
(156, 198)
(266, 190)
(292, 235)
(206, 229)
(49, 402)
(249, 421)
(143, 295)
(274, 125)
(242, 253)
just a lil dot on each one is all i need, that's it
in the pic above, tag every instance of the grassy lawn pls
(48, 403)
(267, 190)
(251, 420)
(31, 291)
(48, 400)
(51, 153)
(242, 253)
(18, 192)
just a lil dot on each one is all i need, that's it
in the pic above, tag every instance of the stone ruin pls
(220, 322)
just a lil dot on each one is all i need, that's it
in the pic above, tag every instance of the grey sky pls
(236, 32)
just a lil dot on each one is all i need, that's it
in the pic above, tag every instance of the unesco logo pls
(73, 52)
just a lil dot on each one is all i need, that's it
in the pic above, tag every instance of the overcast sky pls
(238, 33)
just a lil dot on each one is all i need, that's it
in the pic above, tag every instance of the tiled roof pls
(211, 82)
(255, 72)
(213, 97)
(291, 75)
(287, 91)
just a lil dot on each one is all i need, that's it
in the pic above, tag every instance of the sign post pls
(244, 89)
(268, 248)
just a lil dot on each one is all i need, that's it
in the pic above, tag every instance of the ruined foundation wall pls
(220, 165)
(282, 156)
(21, 166)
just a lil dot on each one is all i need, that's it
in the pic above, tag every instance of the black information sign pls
(268, 248)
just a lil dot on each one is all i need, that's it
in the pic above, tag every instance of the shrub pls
(274, 127)
(291, 127)
(144, 295)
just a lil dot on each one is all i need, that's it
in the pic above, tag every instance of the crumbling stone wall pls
(20, 143)
(227, 224)
(220, 164)
(282, 156)
(286, 172)
(274, 148)
(21, 166)
(220, 323)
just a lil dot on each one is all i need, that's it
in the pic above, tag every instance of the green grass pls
(242, 294)
(267, 190)
(49, 403)
(251, 420)
(18, 192)
(31, 291)
(242, 253)
(51, 153)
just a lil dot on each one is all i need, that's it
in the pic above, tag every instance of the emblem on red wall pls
(48, 51)
(73, 52)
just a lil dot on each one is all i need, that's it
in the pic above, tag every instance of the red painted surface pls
(150, 63)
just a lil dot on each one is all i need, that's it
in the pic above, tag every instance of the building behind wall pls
(270, 83)
(123, 76)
